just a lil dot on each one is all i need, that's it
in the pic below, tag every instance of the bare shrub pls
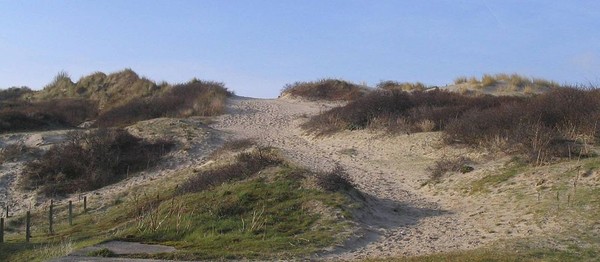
(398, 111)
(57, 113)
(87, 161)
(14, 93)
(552, 125)
(16, 151)
(325, 89)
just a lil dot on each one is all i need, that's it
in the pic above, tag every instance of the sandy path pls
(400, 218)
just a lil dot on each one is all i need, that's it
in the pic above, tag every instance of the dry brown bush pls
(58, 113)
(325, 89)
(86, 161)
(335, 180)
(197, 98)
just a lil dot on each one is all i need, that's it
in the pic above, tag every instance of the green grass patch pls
(272, 215)
(484, 184)
(259, 218)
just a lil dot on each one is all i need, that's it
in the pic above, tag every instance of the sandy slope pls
(194, 142)
(401, 218)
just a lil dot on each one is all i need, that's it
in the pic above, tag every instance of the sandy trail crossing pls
(399, 218)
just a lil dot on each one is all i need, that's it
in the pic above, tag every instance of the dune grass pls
(269, 215)
(117, 99)
(511, 83)
(195, 98)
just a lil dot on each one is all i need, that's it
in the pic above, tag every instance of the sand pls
(402, 216)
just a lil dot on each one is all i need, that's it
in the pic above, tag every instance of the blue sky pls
(256, 47)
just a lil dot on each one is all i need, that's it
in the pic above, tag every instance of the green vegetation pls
(275, 213)
(484, 184)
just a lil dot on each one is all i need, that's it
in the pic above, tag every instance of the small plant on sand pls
(335, 180)
(445, 165)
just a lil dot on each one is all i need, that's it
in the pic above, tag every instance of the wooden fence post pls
(70, 213)
(2, 230)
(50, 216)
(28, 227)
(84, 204)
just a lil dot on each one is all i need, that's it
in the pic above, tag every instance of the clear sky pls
(256, 47)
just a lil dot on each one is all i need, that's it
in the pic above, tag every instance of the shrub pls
(560, 123)
(325, 89)
(17, 151)
(198, 98)
(335, 180)
(393, 85)
(87, 161)
(445, 165)
(400, 111)
(57, 113)
(246, 164)
(556, 124)
(14, 93)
